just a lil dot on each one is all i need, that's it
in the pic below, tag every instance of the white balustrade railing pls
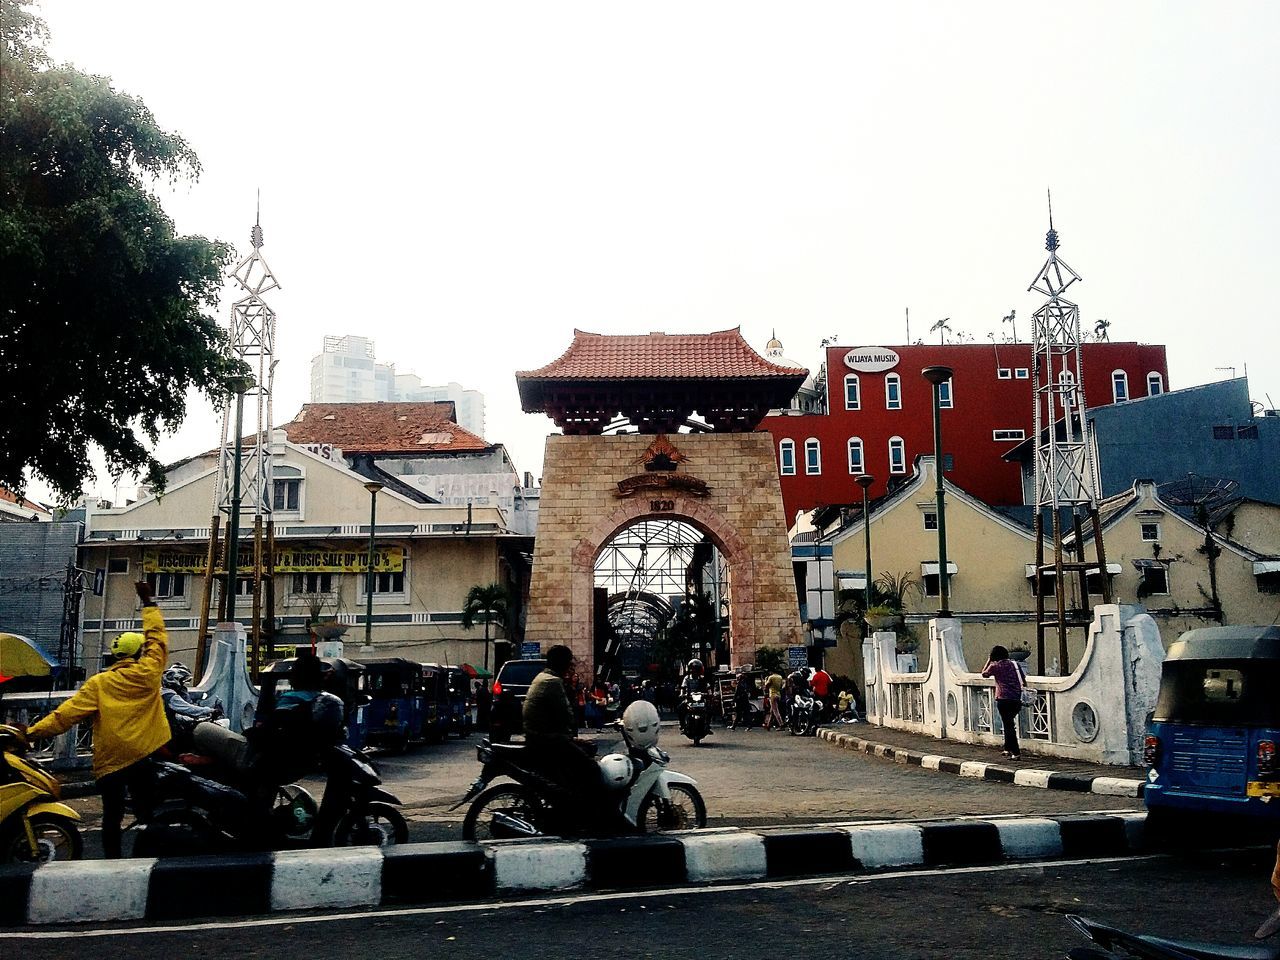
(1097, 713)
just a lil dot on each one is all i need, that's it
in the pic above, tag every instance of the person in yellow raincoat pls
(128, 715)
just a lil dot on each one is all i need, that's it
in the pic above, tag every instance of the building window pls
(1249, 432)
(1022, 373)
(944, 395)
(1119, 386)
(787, 458)
(930, 520)
(387, 583)
(1150, 533)
(812, 456)
(286, 494)
(1004, 373)
(1008, 434)
(852, 397)
(309, 583)
(893, 392)
(929, 583)
(1067, 389)
(117, 565)
(1155, 384)
(1155, 582)
(897, 455)
(1094, 584)
(1224, 433)
(856, 462)
(168, 586)
(244, 586)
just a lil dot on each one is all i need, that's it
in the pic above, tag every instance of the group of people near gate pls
(777, 692)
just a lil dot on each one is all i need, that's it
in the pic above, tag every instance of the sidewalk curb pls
(980, 770)
(107, 891)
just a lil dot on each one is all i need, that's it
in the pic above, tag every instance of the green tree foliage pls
(694, 627)
(102, 322)
(771, 659)
(487, 602)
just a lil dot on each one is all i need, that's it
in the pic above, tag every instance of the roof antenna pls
(255, 236)
(1050, 238)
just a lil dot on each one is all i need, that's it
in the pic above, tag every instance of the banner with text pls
(288, 560)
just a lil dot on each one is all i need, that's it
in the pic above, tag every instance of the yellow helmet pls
(127, 645)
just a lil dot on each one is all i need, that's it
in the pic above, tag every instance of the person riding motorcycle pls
(693, 682)
(176, 697)
(551, 738)
(129, 724)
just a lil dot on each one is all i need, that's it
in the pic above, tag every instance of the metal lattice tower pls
(1066, 472)
(252, 340)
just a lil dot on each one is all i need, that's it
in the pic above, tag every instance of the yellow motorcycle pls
(34, 826)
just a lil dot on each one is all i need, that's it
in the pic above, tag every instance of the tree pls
(695, 627)
(943, 327)
(102, 329)
(488, 602)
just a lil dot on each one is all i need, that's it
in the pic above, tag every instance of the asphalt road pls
(748, 778)
(1013, 912)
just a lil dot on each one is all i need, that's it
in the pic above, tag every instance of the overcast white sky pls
(467, 182)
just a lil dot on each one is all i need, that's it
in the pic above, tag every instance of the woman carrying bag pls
(1008, 677)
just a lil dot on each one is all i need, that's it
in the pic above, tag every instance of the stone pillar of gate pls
(725, 484)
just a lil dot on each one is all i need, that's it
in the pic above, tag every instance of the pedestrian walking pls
(484, 705)
(1008, 677)
(773, 696)
(743, 691)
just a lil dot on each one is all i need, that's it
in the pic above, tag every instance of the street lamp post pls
(938, 376)
(864, 481)
(373, 486)
(239, 386)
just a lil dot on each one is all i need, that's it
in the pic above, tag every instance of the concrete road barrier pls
(105, 891)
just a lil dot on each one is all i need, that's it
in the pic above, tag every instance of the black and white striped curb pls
(102, 891)
(979, 770)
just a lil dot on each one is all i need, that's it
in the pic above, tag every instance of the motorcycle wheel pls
(295, 810)
(685, 811)
(510, 798)
(381, 826)
(57, 837)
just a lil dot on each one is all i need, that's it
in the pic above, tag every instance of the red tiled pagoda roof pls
(660, 356)
(384, 428)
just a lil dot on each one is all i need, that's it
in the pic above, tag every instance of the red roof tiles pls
(693, 356)
(383, 428)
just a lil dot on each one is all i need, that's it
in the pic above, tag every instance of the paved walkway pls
(979, 762)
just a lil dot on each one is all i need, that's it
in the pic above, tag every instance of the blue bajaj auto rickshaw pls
(396, 710)
(341, 677)
(1211, 744)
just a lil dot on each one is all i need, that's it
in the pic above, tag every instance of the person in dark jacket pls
(1008, 677)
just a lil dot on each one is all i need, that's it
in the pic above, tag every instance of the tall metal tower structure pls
(1066, 472)
(244, 468)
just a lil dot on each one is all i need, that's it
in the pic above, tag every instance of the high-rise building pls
(347, 371)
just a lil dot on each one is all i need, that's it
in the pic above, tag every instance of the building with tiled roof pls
(14, 507)
(658, 381)
(384, 428)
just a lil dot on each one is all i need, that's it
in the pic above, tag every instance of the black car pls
(510, 687)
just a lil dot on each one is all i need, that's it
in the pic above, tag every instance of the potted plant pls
(1020, 652)
(321, 627)
(883, 617)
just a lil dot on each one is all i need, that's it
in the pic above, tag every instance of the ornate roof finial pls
(1050, 238)
(255, 235)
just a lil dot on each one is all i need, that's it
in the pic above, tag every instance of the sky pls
(466, 183)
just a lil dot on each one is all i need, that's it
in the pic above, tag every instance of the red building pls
(880, 416)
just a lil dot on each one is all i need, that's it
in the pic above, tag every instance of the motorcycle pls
(650, 796)
(199, 805)
(805, 711)
(1113, 944)
(697, 721)
(35, 827)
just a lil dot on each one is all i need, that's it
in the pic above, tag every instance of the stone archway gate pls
(723, 482)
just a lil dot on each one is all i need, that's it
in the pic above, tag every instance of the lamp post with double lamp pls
(373, 486)
(938, 376)
(239, 385)
(865, 481)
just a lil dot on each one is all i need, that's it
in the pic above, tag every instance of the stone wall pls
(582, 508)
